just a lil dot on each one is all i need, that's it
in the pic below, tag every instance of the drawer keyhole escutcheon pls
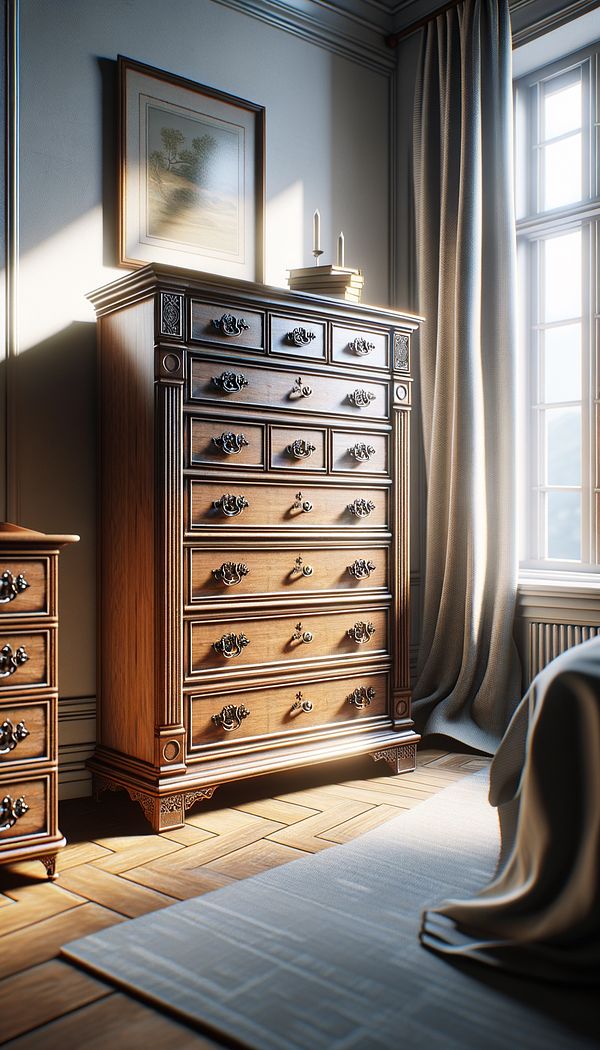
(229, 443)
(230, 382)
(361, 347)
(361, 398)
(231, 717)
(231, 645)
(11, 810)
(231, 573)
(361, 452)
(301, 704)
(361, 569)
(302, 504)
(361, 508)
(10, 662)
(361, 697)
(230, 505)
(11, 735)
(229, 325)
(300, 337)
(11, 586)
(300, 568)
(361, 632)
(300, 390)
(302, 636)
(301, 449)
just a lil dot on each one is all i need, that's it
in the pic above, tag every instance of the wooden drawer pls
(276, 389)
(212, 442)
(24, 586)
(364, 453)
(296, 449)
(227, 326)
(30, 817)
(248, 505)
(26, 660)
(26, 732)
(352, 346)
(270, 708)
(290, 571)
(296, 337)
(278, 641)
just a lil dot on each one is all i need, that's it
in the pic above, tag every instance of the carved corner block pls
(169, 365)
(171, 315)
(402, 759)
(401, 352)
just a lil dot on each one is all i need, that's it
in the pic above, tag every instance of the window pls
(558, 236)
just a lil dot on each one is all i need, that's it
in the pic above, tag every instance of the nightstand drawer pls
(24, 586)
(228, 326)
(236, 445)
(362, 348)
(24, 807)
(25, 732)
(26, 660)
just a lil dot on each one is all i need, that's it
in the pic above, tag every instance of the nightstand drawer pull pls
(231, 717)
(11, 586)
(361, 508)
(11, 735)
(229, 443)
(302, 504)
(230, 382)
(361, 632)
(361, 451)
(301, 636)
(361, 347)
(10, 811)
(231, 573)
(361, 398)
(361, 697)
(230, 325)
(301, 569)
(230, 505)
(361, 569)
(300, 337)
(10, 662)
(231, 645)
(301, 705)
(298, 390)
(301, 449)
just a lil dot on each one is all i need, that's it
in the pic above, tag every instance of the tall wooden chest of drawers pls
(28, 695)
(253, 529)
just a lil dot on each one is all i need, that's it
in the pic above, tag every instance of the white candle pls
(340, 250)
(316, 231)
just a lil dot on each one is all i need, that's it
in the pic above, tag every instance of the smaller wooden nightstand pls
(28, 695)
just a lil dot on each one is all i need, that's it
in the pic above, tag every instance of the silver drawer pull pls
(301, 705)
(361, 697)
(230, 505)
(231, 645)
(301, 449)
(302, 504)
(230, 382)
(229, 443)
(361, 569)
(230, 325)
(361, 508)
(298, 390)
(11, 586)
(361, 347)
(11, 810)
(302, 636)
(361, 398)
(231, 573)
(230, 717)
(361, 451)
(300, 337)
(361, 632)
(301, 568)
(11, 735)
(10, 662)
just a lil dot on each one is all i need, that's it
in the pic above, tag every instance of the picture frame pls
(191, 175)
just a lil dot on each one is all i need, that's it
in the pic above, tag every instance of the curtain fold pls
(468, 678)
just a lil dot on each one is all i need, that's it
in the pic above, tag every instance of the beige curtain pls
(468, 675)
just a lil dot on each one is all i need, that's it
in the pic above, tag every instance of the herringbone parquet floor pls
(115, 868)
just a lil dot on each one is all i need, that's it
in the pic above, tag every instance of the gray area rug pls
(323, 953)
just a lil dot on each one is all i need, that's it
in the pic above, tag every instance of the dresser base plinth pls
(402, 759)
(163, 812)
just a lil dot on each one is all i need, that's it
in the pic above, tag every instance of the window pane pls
(563, 446)
(562, 363)
(564, 525)
(562, 277)
(562, 110)
(562, 172)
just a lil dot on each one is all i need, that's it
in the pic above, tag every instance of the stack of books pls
(341, 282)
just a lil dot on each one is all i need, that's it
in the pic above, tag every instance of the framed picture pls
(191, 175)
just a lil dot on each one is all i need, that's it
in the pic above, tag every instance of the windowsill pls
(540, 581)
(558, 597)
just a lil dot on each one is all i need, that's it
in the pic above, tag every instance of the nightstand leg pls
(50, 866)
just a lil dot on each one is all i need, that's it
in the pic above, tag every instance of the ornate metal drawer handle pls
(11, 810)
(230, 505)
(300, 337)
(11, 735)
(231, 573)
(298, 390)
(361, 347)
(10, 662)
(361, 569)
(11, 586)
(361, 451)
(361, 398)
(361, 697)
(361, 632)
(361, 508)
(229, 443)
(230, 382)
(228, 324)
(302, 504)
(301, 449)
(231, 717)
(303, 570)
(302, 636)
(231, 645)
(301, 705)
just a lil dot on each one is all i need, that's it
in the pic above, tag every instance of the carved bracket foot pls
(49, 863)
(402, 759)
(163, 812)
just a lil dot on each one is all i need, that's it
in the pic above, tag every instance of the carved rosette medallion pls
(230, 505)
(229, 443)
(230, 382)
(361, 347)
(361, 569)
(361, 452)
(11, 735)
(11, 586)
(361, 398)
(11, 661)
(229, 325)
(300, 337)
(230, 717)
(361, 508)
(401, 351)
(231, 573)
(11, 810)
(171, 315)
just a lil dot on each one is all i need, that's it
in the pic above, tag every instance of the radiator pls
(547, 640)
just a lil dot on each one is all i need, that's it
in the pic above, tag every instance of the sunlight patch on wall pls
(285, 234)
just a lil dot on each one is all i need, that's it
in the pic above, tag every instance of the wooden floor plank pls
(41, 942)
(43, 993)
(276, 809)
(305, 834)
(179, 884)
(251, 860)
(188, 835)
(136, 850)
(33, 903)
(112, 892)
(356, 826)
(253, 828)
